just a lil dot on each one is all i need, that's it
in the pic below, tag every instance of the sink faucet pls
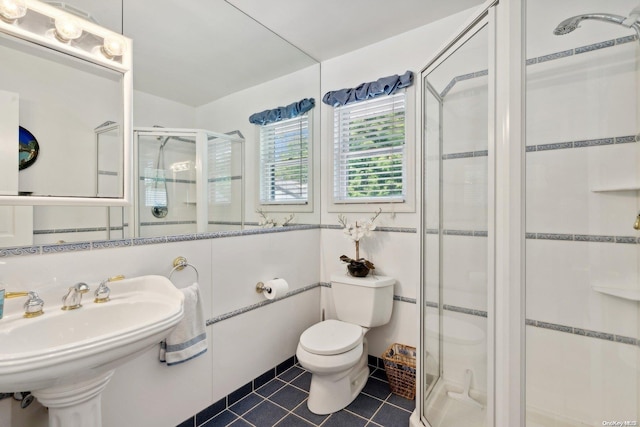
(73, 298)
(32, 307)
(103, 291)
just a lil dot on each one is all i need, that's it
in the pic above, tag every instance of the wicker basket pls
(400, 366)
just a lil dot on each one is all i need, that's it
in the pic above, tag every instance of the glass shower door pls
(455, 234)
(166, 193)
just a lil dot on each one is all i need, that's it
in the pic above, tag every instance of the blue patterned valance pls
(382, 86)
(282, 113)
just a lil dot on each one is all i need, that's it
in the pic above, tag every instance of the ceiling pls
(196, 51)
(328, 28)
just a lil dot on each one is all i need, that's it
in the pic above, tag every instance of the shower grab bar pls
(179, 264)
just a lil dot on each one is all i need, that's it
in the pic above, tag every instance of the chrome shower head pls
(570, 24)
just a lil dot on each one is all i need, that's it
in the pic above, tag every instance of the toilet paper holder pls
(260, 288)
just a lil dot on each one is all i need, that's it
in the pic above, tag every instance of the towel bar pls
(179, 264)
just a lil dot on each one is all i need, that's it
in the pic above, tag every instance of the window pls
(370, 151)
(220, 157)
(284, 161)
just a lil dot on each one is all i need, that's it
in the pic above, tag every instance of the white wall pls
(151, 110)
(394, 253)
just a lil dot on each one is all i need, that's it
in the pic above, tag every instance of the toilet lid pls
(331, 337)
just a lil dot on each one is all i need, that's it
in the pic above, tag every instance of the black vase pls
(357, 269)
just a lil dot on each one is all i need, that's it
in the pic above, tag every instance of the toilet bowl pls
(335, 353)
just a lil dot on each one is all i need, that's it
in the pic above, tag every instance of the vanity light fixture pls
(12, 10)
(113, 46)
(67, 29)
(61, 24)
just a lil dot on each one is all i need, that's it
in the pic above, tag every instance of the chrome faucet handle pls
(72, 300)
(103, 291)
(34, 304)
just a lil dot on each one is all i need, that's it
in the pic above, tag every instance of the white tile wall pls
(248, 345)
(465, 198)
(560, 277)
(464, 283)
(592, 99)
(560, 184)
(394, 254)
(582, 379)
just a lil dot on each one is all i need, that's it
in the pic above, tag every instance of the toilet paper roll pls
(275, 288)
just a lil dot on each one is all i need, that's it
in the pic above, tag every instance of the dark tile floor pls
(283, 402)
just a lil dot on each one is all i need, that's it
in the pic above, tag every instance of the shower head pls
(570, 24)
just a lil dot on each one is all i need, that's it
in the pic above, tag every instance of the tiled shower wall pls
(582, 126)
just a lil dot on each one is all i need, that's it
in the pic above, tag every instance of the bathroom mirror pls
(60, 82)
(231, 48)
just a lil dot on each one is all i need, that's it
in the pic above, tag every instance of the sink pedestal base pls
(75, 405)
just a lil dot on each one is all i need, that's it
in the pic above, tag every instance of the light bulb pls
(10, 10)
(113, 46)
(67, 29)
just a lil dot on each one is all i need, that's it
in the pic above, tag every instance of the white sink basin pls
(62, 348)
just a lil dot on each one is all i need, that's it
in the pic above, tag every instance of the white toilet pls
(335, 351)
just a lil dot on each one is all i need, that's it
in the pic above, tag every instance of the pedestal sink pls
(66, 358)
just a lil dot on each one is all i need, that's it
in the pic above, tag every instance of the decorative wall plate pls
(28, 149)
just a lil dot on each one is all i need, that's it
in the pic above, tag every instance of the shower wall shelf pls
(628, 294)
(606, 189)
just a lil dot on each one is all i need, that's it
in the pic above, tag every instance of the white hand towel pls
(189, 338)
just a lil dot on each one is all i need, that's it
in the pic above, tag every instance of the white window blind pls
(369, 151)
(220, 157)
(284, 161)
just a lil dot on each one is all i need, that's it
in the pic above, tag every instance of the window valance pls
(282, 113)
(383, 86)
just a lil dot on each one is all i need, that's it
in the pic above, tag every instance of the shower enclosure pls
(530, 296)
(188, 181)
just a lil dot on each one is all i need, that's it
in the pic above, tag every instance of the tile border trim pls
(101, 244)
(598, 142)
(565, 237)
(546, 325)
(583, 332)
(257, 305)
(389, 229)
(545, 58)
(289, 294)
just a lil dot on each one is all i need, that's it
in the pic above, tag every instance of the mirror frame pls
(123, 66)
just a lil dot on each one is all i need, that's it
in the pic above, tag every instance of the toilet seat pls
(331, 337)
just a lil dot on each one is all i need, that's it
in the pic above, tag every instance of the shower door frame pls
(506, 194)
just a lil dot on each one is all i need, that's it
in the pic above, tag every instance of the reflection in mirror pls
(174, 195)
(61, 100)
(108, 138)
(64, 82)
(212, 75)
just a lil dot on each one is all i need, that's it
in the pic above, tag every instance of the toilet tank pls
(365, 301)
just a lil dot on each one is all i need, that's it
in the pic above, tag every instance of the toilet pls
(335, 350)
